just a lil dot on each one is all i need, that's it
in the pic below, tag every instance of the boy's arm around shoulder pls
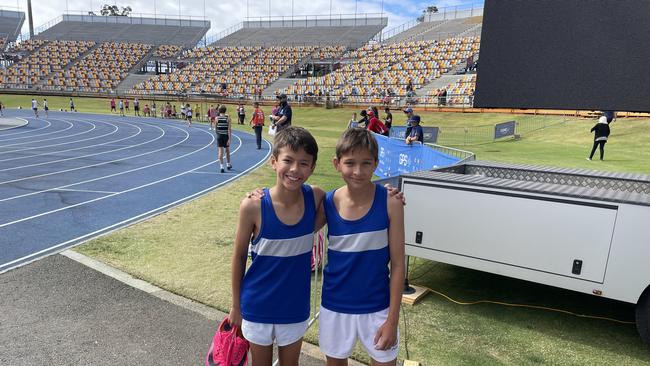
(249, 212)
(386, 336)
(319, 197)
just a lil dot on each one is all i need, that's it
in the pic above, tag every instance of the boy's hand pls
(257, 193)
(386, 337)
(234, 318)
(395, 192)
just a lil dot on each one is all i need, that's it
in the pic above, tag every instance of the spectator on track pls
(136, 107)
(224, 132)
(35, 107)
(212, 116)
(46, 108)
(71, 103)
(113, 105)
(188, 114)
(120, 106)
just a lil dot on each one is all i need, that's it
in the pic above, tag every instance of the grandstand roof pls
(155, 31)
(351, 32)
(10, 24)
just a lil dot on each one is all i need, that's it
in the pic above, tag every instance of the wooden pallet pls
(419, 293)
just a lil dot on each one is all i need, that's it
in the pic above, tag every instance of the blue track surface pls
(74, 176)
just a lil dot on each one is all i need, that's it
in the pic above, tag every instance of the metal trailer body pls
(575, 229)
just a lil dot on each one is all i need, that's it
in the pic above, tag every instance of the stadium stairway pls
(130, 81)
(281, 83)
(143, 61)
(440, 82)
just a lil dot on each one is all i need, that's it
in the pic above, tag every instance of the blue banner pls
(396, 157)
(430, 133)
(504, 129)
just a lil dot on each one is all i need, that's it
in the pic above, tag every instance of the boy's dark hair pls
(355, 139)
(295, 138)
(222, 109)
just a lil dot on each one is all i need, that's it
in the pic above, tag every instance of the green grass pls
(187, 251)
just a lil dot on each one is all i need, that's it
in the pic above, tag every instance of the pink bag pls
(227, 347)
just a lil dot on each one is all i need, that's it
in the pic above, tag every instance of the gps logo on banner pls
(504, 129)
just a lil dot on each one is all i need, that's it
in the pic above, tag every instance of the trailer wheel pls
(643, 316)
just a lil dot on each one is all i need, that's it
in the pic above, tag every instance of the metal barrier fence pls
(475, 135)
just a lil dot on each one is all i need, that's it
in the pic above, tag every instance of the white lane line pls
(132, 220)
(117, 193)
(71, 125)
(98, 164)
(49, 153)
(116, 128)
(115, 174)
(82, 190)
(88, 155)
(28, 131)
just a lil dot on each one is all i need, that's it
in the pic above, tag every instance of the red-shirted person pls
(375, 125)
(258, 124)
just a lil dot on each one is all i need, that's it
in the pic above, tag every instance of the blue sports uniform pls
(276, 287)
(356, 278)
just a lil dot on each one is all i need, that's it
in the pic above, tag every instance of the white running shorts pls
(338, 333)
(264, 334)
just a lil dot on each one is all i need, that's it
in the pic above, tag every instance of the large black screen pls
(565, 54)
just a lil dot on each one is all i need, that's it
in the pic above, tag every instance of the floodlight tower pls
(31, 21)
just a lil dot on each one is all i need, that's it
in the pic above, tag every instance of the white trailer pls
(575, 229)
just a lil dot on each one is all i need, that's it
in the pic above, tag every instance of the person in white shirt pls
(35, 107)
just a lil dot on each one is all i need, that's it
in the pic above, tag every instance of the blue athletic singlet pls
(276, 287)
(356, 278)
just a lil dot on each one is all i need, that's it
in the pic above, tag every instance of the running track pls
(74, 176)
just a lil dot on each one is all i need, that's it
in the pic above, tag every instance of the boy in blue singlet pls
(361, 297)
(271, 299)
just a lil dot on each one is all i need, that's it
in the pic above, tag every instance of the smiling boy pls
(271, 299)
(361, 297)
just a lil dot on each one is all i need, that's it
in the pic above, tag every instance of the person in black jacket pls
(601, 133)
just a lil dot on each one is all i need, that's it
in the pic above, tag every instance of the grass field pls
(187, 251)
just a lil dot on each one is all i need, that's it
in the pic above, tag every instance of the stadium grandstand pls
(132, 29)
(310, 58)
(10, 24)
(350, 31)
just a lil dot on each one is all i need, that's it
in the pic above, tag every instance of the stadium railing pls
(446, 13)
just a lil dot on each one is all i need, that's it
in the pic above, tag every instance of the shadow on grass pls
(559, 330)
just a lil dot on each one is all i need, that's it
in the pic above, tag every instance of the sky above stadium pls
(225, 13)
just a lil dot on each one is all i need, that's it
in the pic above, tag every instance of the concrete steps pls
(281, 83)
(130, 81)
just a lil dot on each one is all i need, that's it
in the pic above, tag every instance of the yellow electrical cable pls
(525, 306)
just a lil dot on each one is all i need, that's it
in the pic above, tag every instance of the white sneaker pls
(588, 159)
